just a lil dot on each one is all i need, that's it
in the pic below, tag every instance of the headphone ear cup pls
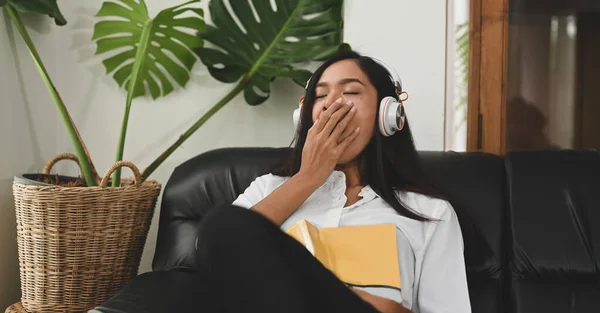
(391, 116)
(297, 113)
(400, 116)
(296, 117)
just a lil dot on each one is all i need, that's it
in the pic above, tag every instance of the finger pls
(336, 117)
(324, 117)
(348, 132)
(345, 134)
(340, 128)
(349, 139)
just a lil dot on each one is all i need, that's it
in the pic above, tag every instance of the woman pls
(342, 171)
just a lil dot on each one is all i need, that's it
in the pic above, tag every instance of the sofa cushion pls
(555, 223)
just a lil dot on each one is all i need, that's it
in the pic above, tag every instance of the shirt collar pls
(368, 193)
(336, 184)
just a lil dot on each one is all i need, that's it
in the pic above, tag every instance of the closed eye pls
(345, 93)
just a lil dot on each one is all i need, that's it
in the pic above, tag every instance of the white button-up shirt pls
(432, 267)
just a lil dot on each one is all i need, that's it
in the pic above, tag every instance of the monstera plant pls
(252, 44)
(45, 7)
(145, 63)
(269, 40)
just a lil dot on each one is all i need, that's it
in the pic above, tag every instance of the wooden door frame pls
(488, 38)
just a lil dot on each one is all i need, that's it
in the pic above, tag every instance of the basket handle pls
(62, 156)
(136, 173)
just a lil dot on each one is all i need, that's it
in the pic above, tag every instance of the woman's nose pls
(331, 99)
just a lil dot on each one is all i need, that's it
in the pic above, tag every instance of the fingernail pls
(339, 100)
(350, 103)
(357, 129)
(353, 109)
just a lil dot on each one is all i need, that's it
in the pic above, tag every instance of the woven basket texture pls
(78, 246)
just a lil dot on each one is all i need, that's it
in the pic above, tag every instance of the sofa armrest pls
(157, 292)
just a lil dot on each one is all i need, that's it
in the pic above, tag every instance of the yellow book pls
(365, 255)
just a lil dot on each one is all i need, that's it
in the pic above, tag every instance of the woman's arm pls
(283, 201)
(382, 305)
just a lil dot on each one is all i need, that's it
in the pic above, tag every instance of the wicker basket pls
(79, 245)
(15, 308)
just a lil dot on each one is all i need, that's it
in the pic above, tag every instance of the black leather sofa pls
(539, 213)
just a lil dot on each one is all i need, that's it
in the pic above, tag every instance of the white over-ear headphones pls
(391, 117)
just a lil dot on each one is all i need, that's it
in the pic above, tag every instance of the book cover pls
(364, 255)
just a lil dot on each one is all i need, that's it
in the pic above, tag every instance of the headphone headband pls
(392, 74)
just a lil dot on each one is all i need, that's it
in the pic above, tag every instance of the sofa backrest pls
(197, 185)
(538, 214)
(474, 181)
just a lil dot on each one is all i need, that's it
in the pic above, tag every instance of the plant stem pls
(163, 156)
(87, 167)
(136, 70)
(116, 179)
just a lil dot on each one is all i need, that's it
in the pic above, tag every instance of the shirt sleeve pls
(443, 283)
(388, 293)
(253, 194)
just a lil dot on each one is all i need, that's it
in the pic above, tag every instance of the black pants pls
(252, 266)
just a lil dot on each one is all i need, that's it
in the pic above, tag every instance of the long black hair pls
(387, 164)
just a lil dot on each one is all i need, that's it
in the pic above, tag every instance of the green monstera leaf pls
(271, 36)
(47, 7)
(159, 49)
(147, 53)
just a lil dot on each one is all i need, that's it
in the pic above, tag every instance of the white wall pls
(410, 35)
(27, 139)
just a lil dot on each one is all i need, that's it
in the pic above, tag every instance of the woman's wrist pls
(306, 181)
(287, 198)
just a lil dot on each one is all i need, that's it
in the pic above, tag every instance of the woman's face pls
(345, 79)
